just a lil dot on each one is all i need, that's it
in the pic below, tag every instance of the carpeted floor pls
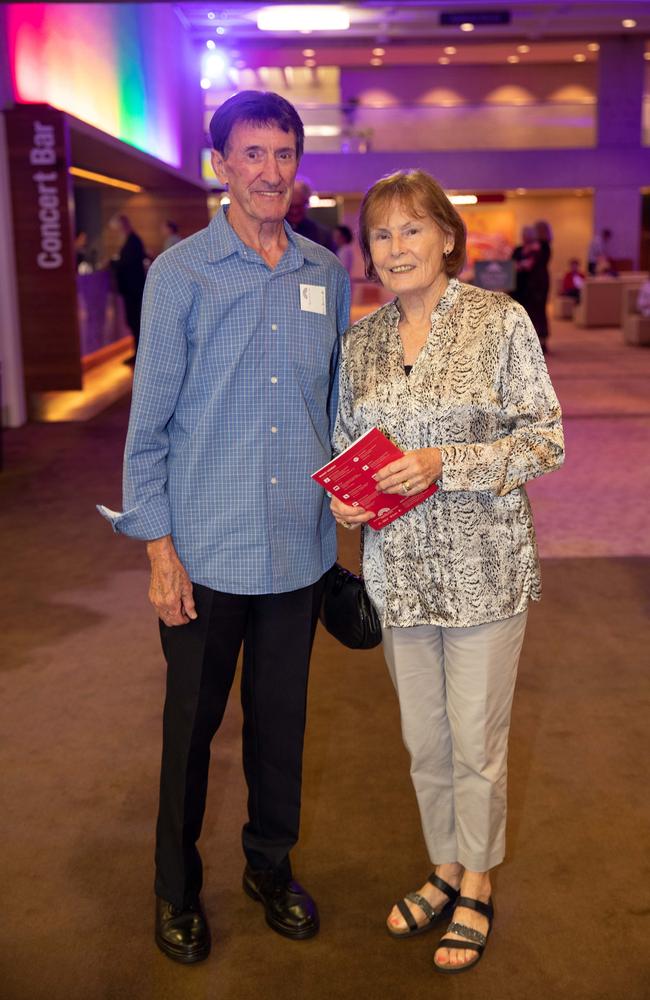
(81, 695)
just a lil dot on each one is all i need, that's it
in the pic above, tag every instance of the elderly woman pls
(455, 376)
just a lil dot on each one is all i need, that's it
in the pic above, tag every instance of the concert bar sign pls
(41, 200)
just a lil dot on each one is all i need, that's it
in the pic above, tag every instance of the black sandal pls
(476, 941)
(432, 916)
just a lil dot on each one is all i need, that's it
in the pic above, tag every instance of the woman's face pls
(407, 250)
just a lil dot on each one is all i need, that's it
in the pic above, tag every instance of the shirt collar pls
(224, 241)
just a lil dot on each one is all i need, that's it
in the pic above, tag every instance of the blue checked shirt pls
(234, 402)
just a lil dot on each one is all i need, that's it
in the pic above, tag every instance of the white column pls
(14, 412)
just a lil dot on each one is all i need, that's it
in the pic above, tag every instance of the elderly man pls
(233, 408)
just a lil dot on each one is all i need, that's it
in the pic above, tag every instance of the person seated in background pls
(573, 280)
(643, 300)
(343, 239)
(604, 268)
(170, 234)
(300, 222)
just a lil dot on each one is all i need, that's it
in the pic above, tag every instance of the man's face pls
(259, 168)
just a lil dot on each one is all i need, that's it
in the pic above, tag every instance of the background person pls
(573, 280)
(236, 393)
(455, 376)
(343, 239)
(532, 279)
(598, 248)
(301, 223)
(130, 273)
(170, 234)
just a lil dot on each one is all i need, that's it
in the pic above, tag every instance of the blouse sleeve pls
(533, 443)
(344, 430)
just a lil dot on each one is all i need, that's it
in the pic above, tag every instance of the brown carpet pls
(82, 686)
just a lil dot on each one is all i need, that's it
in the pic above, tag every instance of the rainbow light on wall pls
(111, 65)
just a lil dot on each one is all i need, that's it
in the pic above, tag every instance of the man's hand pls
(411, 473)
(170, 589)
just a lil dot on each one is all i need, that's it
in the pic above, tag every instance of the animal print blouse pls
(479, 390)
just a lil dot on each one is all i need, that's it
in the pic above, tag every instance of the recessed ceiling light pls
(379, 52)
(646, 56)
(322, 131)
(520, 191)
(444, 60)
(467, 26)
(376, 61)
(210, 44)
(463, 199)
(523, 48)
(450, 50)
(310, 63)
(221, 30)
(513, 59)
(205, 83)
(593, 46)
(309, 53)
(628, 22)
(303, 18)
(579, 57)
(211, 15)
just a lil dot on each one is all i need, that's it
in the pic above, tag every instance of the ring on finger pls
(406, 486)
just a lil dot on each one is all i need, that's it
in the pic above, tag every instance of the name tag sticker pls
(312, 299)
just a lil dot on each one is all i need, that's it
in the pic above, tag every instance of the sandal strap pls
(468, 932)
(424, 904)
(458, 945)
(440, 883)
(486, 909)
(410, 920)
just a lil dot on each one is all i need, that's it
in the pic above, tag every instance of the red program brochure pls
(349, 477)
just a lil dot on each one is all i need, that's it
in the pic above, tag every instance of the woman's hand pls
(412, 473)
(349, 517)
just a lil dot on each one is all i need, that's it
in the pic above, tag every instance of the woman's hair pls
(543, 230)
(421, 195)
(255, 108)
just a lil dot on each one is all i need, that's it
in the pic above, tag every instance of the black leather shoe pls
(289, 909)
(182, 934)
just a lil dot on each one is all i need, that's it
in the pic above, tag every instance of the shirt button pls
(273, 480)
(274, 430)
(274, 379)
(274, 326)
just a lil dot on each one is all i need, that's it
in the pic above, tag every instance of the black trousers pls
(277, 631)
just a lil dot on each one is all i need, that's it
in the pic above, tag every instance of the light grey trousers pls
(455, 689)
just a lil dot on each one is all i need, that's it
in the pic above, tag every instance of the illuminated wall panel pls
(116, 66)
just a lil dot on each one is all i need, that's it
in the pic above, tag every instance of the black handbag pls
(347, 612)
